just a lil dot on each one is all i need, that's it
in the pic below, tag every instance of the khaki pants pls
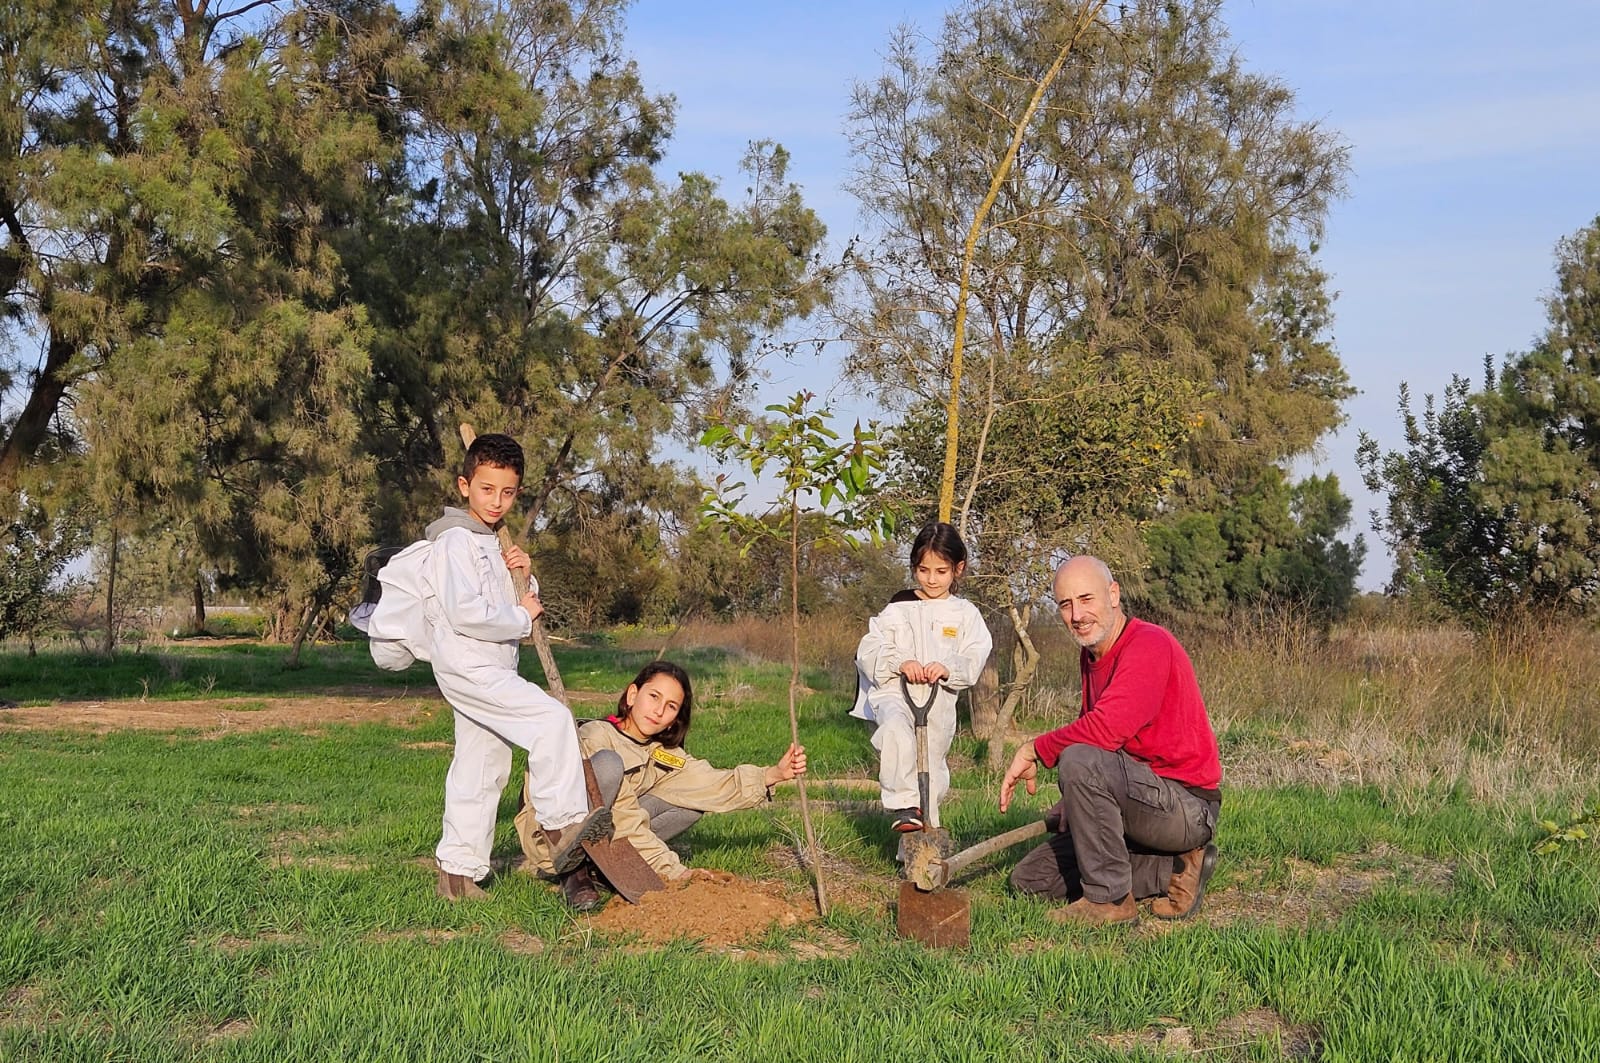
(1121, 824)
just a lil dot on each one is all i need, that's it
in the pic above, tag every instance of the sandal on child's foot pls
(906, 819)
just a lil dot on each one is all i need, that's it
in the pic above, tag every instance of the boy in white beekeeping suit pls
(475, 623)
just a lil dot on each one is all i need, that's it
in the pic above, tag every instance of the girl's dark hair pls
(942, 539)
(675, 733)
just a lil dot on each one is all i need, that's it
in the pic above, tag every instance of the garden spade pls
(931, 920)
(624, 869)
(928, 912)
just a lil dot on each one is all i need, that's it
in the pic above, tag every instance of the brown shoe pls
(1084, 912)
(578, 889)
(566, 843)
(458, 888)
(1188, 886)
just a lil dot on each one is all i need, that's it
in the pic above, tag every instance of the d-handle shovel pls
(931, 841)
(942, 919)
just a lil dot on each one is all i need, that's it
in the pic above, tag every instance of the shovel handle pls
(919, 713)
(938, 873)
(919, 717)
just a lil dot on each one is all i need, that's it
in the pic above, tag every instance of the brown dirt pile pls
(716, 912)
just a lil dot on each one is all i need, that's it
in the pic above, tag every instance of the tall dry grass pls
(1511, 717)
(1508, 715)
(827, 641)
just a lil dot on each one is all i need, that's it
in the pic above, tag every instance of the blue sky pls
(1475, 145)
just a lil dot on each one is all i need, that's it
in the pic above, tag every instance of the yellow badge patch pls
(668, 760)
(951, 632)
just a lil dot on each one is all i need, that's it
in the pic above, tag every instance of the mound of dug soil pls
(716, 912)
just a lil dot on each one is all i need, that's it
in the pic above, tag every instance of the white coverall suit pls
(947, 631)
(475, 625)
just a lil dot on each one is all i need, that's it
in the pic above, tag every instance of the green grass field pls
(268, 896)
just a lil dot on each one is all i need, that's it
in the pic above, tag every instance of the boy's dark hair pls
(675, 733)
(942, 539)
(494, 449)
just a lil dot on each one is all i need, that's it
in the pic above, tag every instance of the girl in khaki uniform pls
(659, 789)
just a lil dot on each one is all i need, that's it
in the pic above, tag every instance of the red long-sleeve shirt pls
(1142, 697)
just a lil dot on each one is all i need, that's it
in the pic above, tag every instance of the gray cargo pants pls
(1121, 824)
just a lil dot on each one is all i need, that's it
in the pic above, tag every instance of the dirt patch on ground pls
(1314, 893)
(229, 1030)
(521, 942)
(232, 944)
(429, 936)
(1237, 1032)
(216, 717)
(719, 913)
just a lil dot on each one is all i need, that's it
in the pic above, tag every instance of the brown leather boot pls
(458, 888)
(1084, 912)
(1188, 886)
(566, 843)
(579, 890)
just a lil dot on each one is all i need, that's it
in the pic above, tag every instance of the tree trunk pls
(985, 702)
(794, 694)
(32, 425)
(111, 593)
(198, 620)
(315, 610)
(1026, 657)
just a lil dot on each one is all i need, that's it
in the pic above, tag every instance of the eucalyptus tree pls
(1150, 255)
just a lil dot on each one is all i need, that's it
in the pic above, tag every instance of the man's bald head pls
(1090, 602)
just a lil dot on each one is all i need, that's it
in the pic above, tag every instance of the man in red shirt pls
(1138, 769)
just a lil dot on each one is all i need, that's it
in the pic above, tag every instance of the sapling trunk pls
(794, 695)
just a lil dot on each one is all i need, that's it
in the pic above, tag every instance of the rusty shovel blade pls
(623, 868)
(941, 919)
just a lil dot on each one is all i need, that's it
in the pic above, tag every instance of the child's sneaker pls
(906, 820)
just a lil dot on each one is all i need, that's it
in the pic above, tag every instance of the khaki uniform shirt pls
(669, 774)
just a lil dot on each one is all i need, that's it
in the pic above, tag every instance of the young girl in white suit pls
(930, 636)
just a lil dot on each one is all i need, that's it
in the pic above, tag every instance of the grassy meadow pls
(266, 893)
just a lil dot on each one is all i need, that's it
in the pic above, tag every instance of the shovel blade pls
(941, 919)
(623, 868)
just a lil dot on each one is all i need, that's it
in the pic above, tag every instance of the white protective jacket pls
(949, 631)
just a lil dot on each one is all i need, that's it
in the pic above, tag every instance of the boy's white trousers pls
(497, 711)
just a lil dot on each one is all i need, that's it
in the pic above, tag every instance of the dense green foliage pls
(35, 548)
(1147, 329)
(275, 254)
(1495, 503)
(1276, 545)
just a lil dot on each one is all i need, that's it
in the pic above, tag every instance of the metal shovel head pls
(941, 919)
(623, 868)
